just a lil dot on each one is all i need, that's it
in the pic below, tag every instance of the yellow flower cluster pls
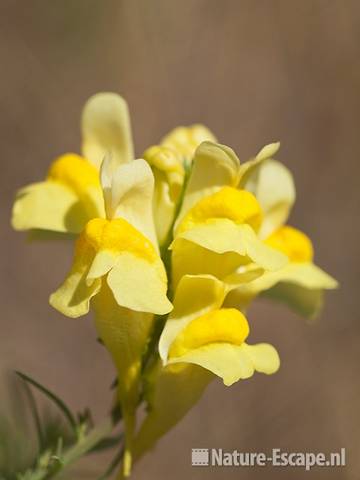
(171, 249)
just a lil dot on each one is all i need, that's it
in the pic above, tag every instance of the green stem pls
(83, 446)
(165, 254)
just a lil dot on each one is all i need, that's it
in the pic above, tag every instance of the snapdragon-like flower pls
(118, 264)
(217, 228)
(300, 283)
(120, 248)
(201, 339)
(71, 195)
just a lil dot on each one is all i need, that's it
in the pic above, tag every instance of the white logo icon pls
(200, 457)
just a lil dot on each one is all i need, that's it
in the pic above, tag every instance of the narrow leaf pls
(54, 398)
(36, 415)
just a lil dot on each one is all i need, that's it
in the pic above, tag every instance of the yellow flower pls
(200, 339)
(71, 194)
(169, 162)
(300, 283)
(217, 229)
(117, 262)
(203, 333)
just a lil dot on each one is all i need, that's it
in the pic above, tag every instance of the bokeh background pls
(254, 72)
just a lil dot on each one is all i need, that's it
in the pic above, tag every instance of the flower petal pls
(128, 193)
(233, 362)
(236, 205)
(304, 291)
(264, 357)
(125, 334)
(190, 258)
(300, 285)
(106, 129)
(169, 174)
(48, 206)
(135, 272)
(214, 167)
(295, 244)
(305, 274)
(139, 285)
(70, 196)
(249, 167)
(272, 184)
(222, 235)
(221, 325)
(170, 393)
(210, 294)
(73, 297)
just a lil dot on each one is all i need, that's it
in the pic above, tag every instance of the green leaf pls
(36, 415)
(58, 402)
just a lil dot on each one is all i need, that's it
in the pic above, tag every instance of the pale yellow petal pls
(169, 174)
(299, 285)
(125, 334)
(303, 291)
(305, 274)
(103, 262)
(272, 184)
(264, 357)
(222, 236)
(170, 393)
(49, 206)
(164, 206)
(210, 294)
(268, 151)
(214, 167)
(232, 362)
(190, 258)
(73, 297)
(139, 285)
(106, 129)
(223, 359)
(128, 193)
(70, 196)
(247, 168)
(82, 178)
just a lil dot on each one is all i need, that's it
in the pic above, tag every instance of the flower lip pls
(118, 235)
(225, 325)
(236, 205)
(74, 172)
(294, 243)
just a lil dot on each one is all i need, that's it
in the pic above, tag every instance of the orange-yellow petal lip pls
(225, 325)
(294, 243)
(75, 172)
(118, 235)
(239, 206)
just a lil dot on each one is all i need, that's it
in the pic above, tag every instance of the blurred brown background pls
(254, 72)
